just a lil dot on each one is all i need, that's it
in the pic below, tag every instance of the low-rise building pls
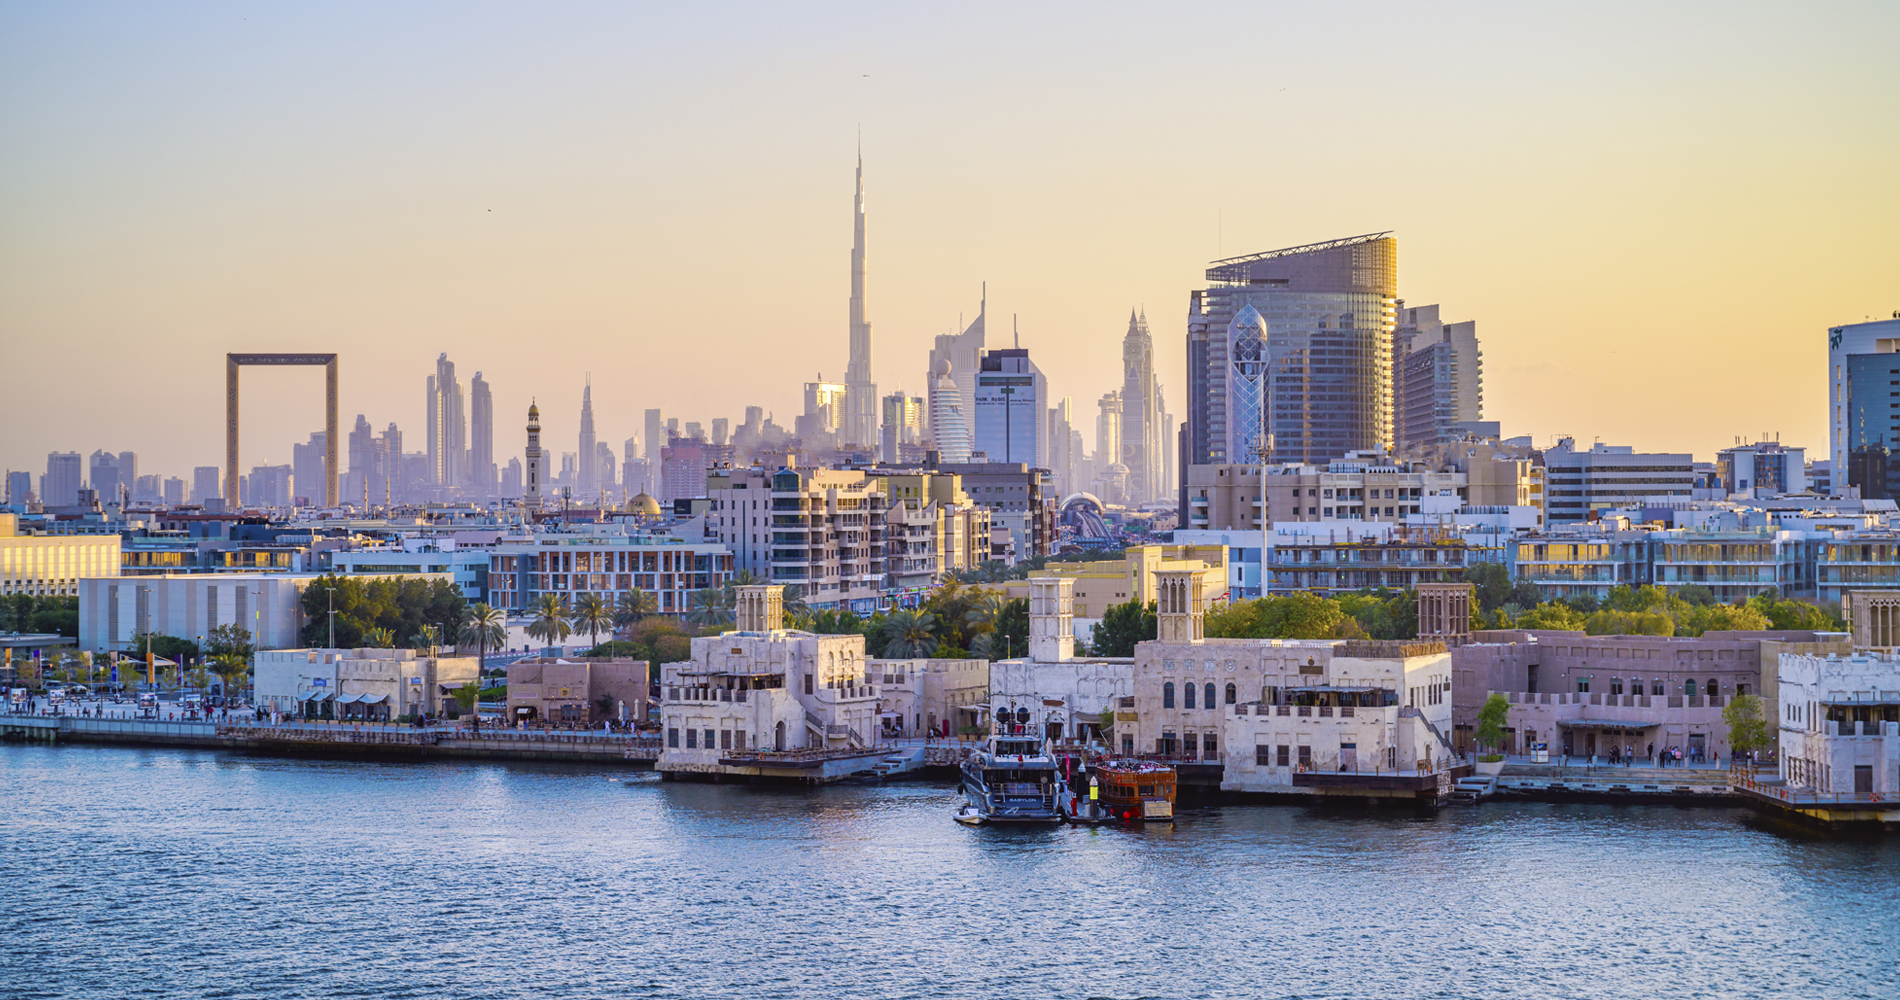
(577, 690)
(1401, 559)
(1839, 724)
(927, 696)
(374, 685)
(1102, 584)
(1069, 693)
(819, 529)
(607, 561)
(763, 700)
(114, 610)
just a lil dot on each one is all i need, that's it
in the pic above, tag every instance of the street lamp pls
(330, 594)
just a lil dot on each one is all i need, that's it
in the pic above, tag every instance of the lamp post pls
(330, 593)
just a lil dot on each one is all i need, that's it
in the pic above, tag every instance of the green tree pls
(466, 698)
(1793, 616)
(660, 640)
(376, 637)
(1723, 618)
(1122, 626)
(1613, 622)
(1299, 616)
(550, 623)
(486, 628)
(230, 640)
(167, 646)
(56, 616)
(1553, 615)
(710, 609)
(400, 605)
(230, 668)
(1747, 728)
(1492, 582)
(1009, 633)
(1491, 718)
(593, 616)
(1696, 594)
(912, 634)
(631, 606)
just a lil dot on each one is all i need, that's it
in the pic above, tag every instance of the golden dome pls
(643, 505)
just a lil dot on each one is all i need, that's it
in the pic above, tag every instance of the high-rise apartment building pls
(587, 485)
(861, 403)
(655, 434)
(963, 352)
(1765, 468)
(1311, 378)
(1010, 397)
(1141, 414)
(511, 476)
(603, 472)
(824, 411)
(306, 464)
(481, 434)
(206, 483)
(721, 430)
(60, 486)
(901, 423)
(173, 491)
(1108, 430)
(1862, 428)
(448, 427)
(1439, 376)
(1062, 453)
(110, 474)
(19, 487)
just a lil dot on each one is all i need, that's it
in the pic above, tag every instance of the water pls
(135, 872)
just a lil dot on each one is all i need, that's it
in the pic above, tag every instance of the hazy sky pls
(1652, 211)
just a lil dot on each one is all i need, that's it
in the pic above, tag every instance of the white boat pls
(1012, 779)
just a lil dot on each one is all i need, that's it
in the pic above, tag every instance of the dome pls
(534, 411)
(941, 368)
(643, 505)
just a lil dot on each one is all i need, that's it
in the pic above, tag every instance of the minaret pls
(860, 391)
(588, 475)
(531, 487)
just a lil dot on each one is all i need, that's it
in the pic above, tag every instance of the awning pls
(316, 696)
(1606, 724)
(348, 699)
(371, 699)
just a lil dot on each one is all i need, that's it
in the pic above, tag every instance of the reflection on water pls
(210, 874)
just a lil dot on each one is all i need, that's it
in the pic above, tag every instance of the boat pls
(969, 816)
(1133, 791)
(1012, 779)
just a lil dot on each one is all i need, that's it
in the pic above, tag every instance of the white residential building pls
(1839, 724)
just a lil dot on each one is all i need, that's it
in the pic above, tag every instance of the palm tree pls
(428, 636)
(485, 627)
(632, 606)
(229, 667)
(795, 606)
(988, 607)
(710, 608)
(912, 632)
(378, 637)
(592, 614)
(550, 621)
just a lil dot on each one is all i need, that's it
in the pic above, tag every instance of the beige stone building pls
(377, 685)
(939, 697)
(1357, 488)
(1100, 585)
(1069, 694)
(762, 690)
(577, 690)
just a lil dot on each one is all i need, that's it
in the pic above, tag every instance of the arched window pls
(1688, 687)
(1233, 694)
(1167, 695)
(1208, 701)
(1616, 685)
(1190, 695)
(1715, 690)
(1656, 687)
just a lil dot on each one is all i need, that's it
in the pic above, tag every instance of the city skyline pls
(409, 249)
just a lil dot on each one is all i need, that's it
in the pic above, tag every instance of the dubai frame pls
(232, 362)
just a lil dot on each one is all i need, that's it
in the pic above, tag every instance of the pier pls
(391, 741)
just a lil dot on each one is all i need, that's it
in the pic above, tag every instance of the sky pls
(1652, 212)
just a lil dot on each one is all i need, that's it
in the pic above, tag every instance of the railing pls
(1796, 795)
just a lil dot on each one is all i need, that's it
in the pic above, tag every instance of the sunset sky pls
(1652, 212)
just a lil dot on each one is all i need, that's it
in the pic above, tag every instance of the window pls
(1233, 694)
(692, 739)
(1280, 755)
(1715, 691)
(1583, 685)
(1210, 746)
(1306, 756)
(1656, 687)
(709, 739)
(1207, 700)
(1189, 695)
(1741, 690)
(1688, 687)
(807, 683)
(1263, 756)
(725, 739)
(1616, 685)
(673, 737)
(1167, 695)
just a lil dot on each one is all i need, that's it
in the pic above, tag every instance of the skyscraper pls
(860, 424)
(306, 468)
(19, 487)
(448, 426)
(1108, 431)
(60, 486)
(1322, 365)
(655, 435)
(1010, 422)
(206, 483)
(964, 352)
(1438, 378)
(531, 490)
(481, 435)
(587, 483)
(1141, 423)
(948, 428)
(107, 475)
